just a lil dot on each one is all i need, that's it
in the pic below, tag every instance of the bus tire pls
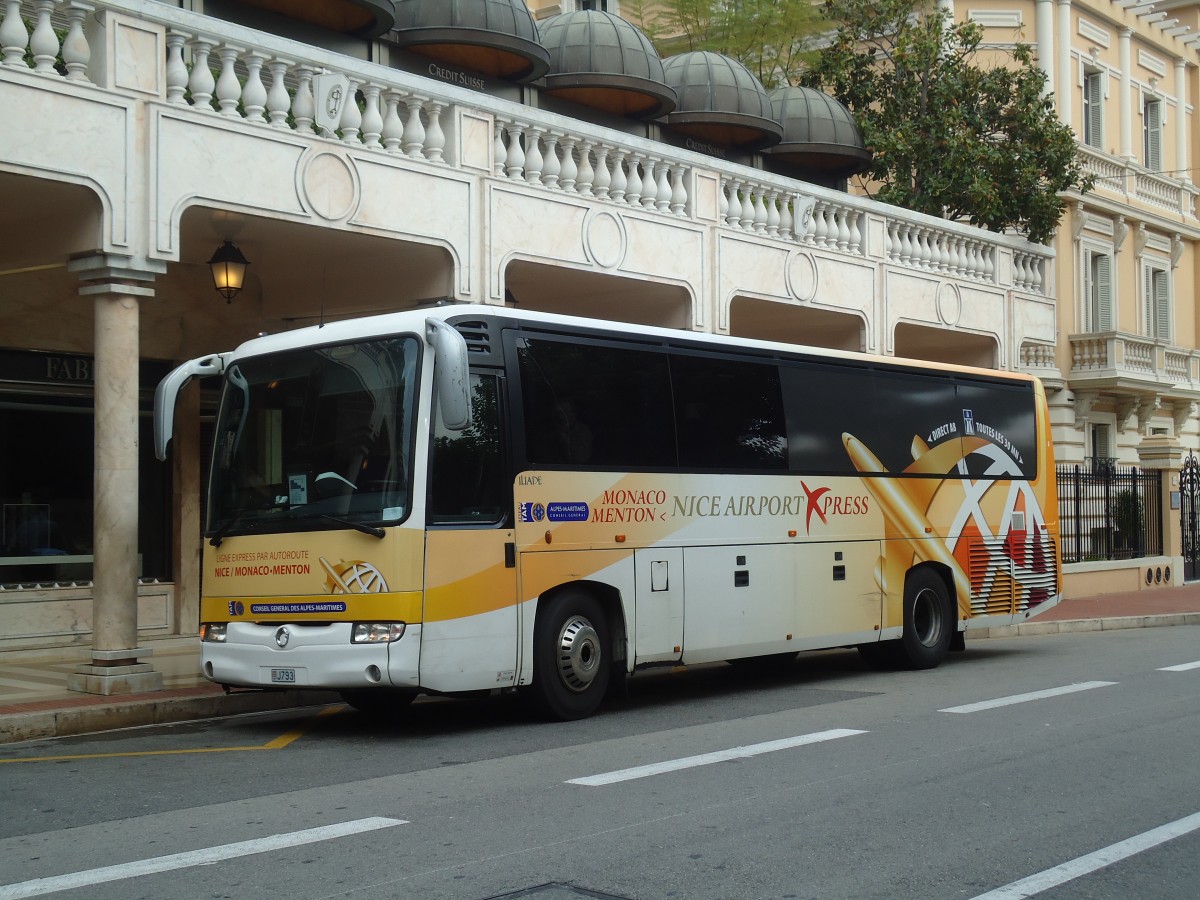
(571, 656)
(378, 702)
(929, 620)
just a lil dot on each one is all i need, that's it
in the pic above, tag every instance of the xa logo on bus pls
(823, 503)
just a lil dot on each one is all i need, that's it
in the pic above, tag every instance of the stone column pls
(1165, 453)
(1126, 98)
(115, 284)
(1182, 122)
(1065, 84)
(1044, 26)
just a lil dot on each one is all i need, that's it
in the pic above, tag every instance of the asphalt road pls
(1058, 766)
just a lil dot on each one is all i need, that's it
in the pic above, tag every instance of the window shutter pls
(1094, 126)
(1101, 443)
(1162, 305)
(1153, 123)
(1102, 293)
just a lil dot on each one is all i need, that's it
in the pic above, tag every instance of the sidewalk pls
(35, 702)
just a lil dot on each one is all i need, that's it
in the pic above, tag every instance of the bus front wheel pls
(929, 621)
(571, 656)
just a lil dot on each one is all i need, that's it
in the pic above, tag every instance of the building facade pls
(477, 164)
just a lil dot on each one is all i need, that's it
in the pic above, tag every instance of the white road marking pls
(1085, 865)
(1025, 698)
(704, 759)
(39, 886)
(1182, 667)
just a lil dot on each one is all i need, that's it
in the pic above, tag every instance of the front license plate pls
(283, 676)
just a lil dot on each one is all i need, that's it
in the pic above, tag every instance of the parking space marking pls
(1025, 698)
(705, 759)
(277, 744)
(1084, 865)
(1182, 667)
(38, 886)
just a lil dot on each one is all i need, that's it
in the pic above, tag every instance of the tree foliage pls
(771, 38)
(951, 137)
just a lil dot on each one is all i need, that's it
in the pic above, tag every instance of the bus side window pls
(466, 483)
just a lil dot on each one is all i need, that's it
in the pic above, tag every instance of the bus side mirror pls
(167, 393)
(450, 374)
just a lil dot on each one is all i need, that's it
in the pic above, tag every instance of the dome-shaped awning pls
(602, 61)
(359, 18)
(495, 37)
(818, 133)
(720, 101)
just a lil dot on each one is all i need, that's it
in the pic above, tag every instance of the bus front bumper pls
(312, 656)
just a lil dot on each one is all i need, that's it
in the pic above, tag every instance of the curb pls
(37, 724)
(1073, 626)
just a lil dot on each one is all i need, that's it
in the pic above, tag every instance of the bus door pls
(658, 586)
(469, 637)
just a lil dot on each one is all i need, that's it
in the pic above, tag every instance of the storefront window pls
(46, 490)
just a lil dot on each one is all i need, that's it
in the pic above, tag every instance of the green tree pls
(771, 38)
(951, 137)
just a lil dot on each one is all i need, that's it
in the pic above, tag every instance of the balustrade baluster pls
(435, 136)
(76, 52)
(351, 124)
(723, 204)
(13, 35)
(254, 92)
(304, 105)
(43, 43)
(551, 167)
(746, 219)
(662, 202)
(602, 180)
(616, 190)
(229, 89)
(392, 134)
(414, 129)
(679, 196)
(772, 224)
(570, 171)
(372, 118)
(586, 174)
(533, 155)
(633, 187)
(499, 150)
(515, 165)
(758, 204)
(201, 82)
(176, 71)
(649, 184)
(856, 237)
(278, 100)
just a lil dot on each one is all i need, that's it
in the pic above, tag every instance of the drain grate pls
(556, 891)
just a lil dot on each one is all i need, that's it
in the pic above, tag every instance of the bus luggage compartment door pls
(658, 628)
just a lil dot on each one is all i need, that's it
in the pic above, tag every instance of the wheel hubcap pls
(578, 653)
(927, 619)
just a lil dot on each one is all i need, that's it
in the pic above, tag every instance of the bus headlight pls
(213, 632)
(376, 632)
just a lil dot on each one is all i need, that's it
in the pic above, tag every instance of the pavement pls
(35, 702)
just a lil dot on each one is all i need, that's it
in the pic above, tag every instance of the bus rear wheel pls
(571, 656)
(929, 621)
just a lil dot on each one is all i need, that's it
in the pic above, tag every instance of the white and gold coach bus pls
(468, 498)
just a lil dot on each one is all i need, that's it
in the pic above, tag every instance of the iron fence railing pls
(1106, 511)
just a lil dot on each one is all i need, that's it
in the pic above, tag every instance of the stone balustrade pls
(260, 84)
(1108, 358)
(1114, 175)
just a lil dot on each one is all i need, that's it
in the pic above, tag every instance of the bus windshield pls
(319, 437)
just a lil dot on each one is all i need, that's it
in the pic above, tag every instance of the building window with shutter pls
(1093, 109)
(1102, 457)
(1097, 286)
(1156, 287)
(1152, 118)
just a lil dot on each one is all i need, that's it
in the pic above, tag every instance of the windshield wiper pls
(226, 527)
(357, 526)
